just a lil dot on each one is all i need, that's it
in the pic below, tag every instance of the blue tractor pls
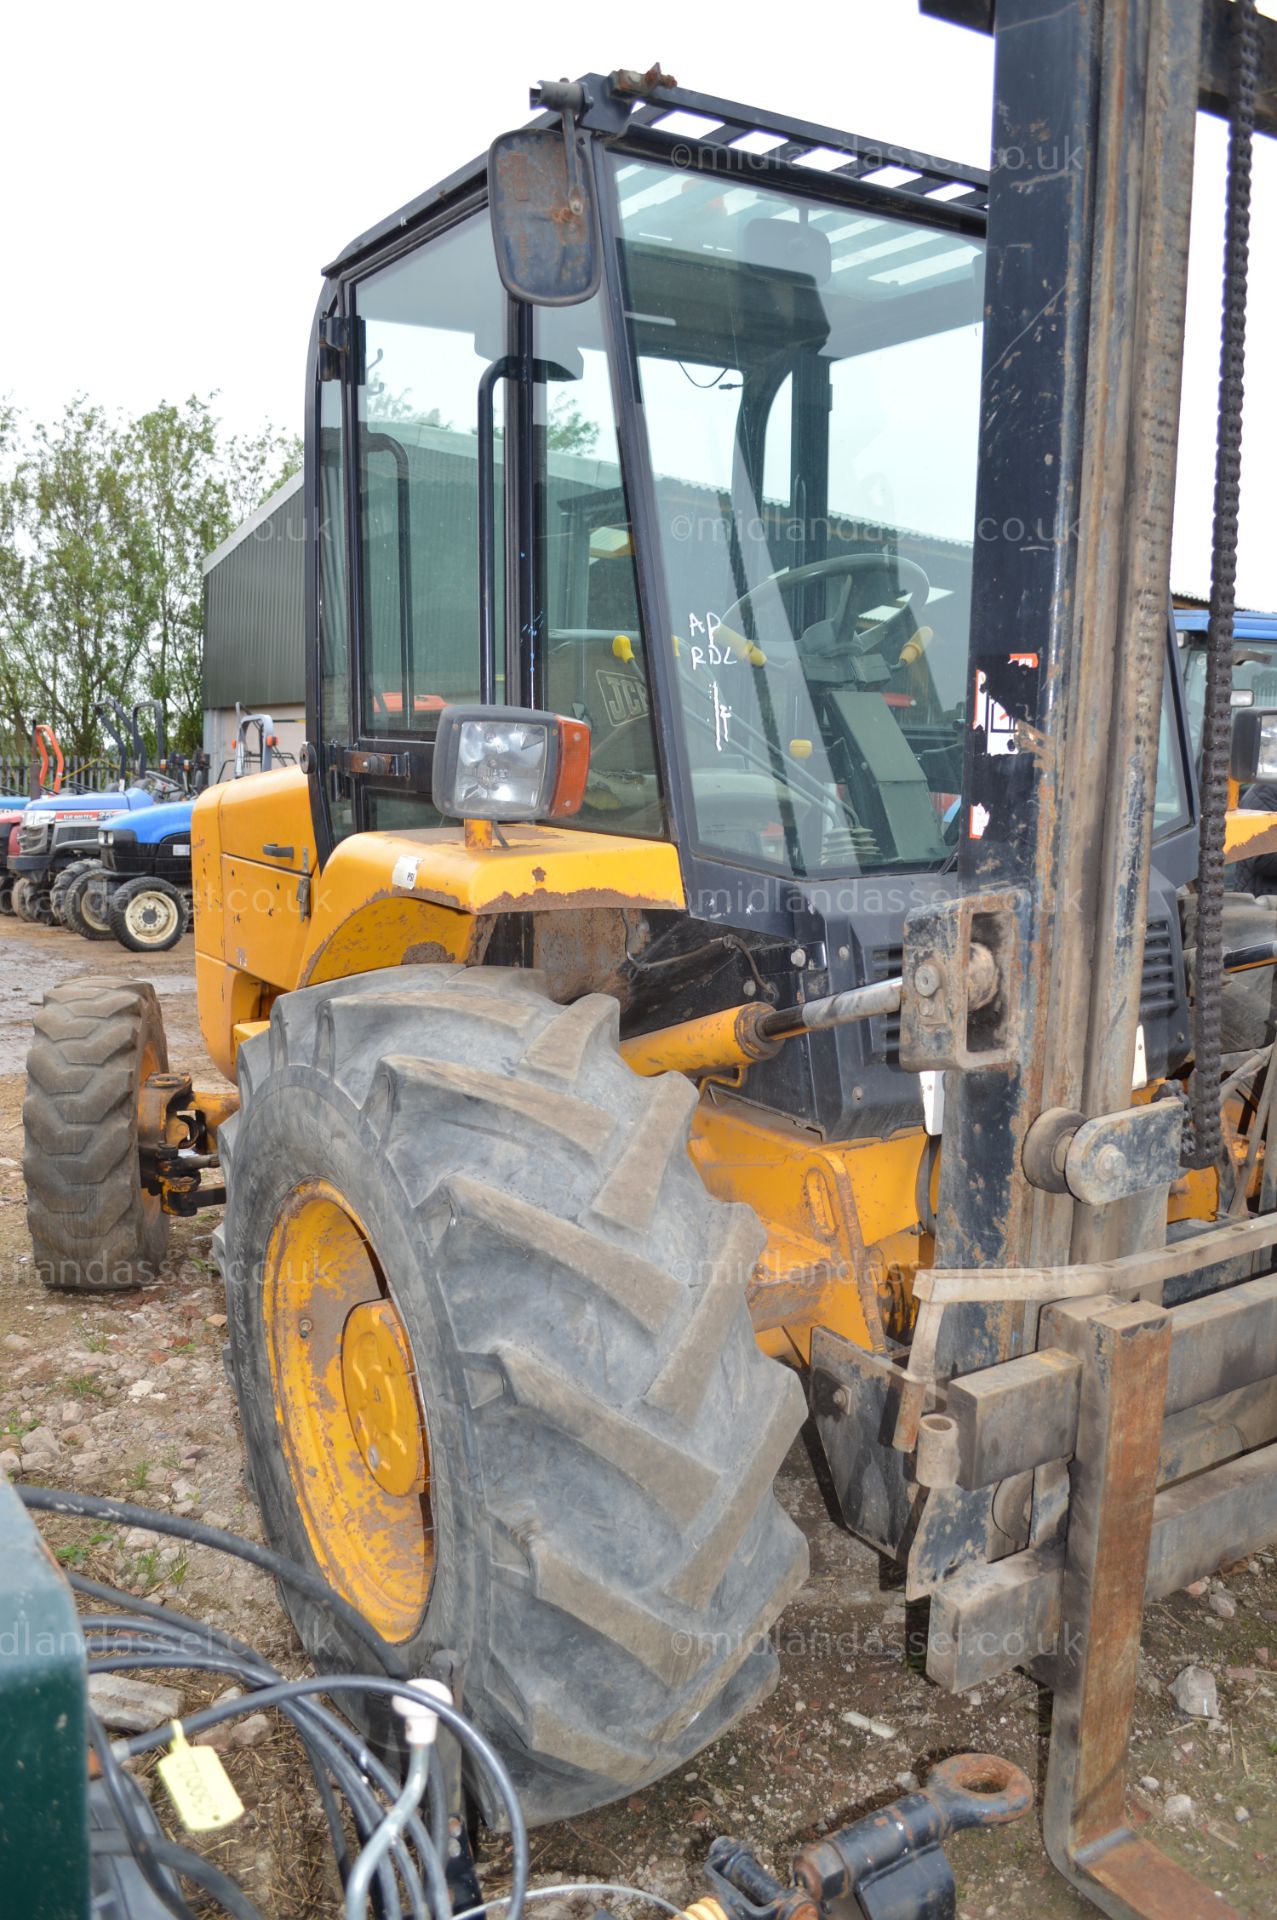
(73, 876)
(145, 864)
(138, 888)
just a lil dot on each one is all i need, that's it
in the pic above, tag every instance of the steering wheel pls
(841, 629)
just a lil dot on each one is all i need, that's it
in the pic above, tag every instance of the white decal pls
(711, 654)
(722, 718)
(404, 873)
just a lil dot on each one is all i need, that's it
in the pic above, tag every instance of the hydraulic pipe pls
(835, 1010)
(740, 1035)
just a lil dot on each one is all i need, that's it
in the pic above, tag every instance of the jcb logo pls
(624, 696)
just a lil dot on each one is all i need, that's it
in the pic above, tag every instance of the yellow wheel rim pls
(349, 1410)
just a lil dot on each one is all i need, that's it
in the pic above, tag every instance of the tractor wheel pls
(496, 1373)
(62, 884)
(30, 902)
(146, 915)
(6, 895)
(96, 1042)
(86, 904)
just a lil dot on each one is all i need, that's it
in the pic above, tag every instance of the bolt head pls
(798, 958)
(926, 979)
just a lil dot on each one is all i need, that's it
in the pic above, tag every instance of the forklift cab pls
(721, 509)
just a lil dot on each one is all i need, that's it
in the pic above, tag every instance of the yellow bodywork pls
(842, 1219)
(1248, 833)
(846, 1221)
(267, 922)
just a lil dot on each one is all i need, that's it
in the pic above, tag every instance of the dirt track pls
(132, 1390)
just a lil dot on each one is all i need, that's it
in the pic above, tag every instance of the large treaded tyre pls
(65, 879)
(92, 1227)
(86, 904)
(30, 902)
(603, 1430)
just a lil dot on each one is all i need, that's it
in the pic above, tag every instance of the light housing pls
(1254, 755)
(509, 763)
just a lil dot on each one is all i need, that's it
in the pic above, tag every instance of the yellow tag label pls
(199, 1786)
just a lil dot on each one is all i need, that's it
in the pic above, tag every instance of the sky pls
(176, 177)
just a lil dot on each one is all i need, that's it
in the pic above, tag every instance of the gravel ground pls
(126, 1395)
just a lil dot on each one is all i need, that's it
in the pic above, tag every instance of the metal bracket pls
(891, 1865)
(334, 344)
(1109, 1158)
(382, 766)
(960, 1004)
(1120, 1154)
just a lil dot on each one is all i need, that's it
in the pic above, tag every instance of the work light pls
(509, 763)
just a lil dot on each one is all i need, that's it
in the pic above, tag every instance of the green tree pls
(18, 683)
(180, 496)
(256, 465)
(568, 430)
(104, 527)
(89, 551)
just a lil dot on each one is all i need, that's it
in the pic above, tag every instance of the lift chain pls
(1207, 1138)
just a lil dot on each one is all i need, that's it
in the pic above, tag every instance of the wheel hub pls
(353, 1429)
(151, 916)
(381, 1399)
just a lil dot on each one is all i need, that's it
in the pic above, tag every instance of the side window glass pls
(595, 652)
(334, 647)
(429, 327)
(1170, 802)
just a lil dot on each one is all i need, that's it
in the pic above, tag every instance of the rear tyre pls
(147, 915)
(6, 896)
(496, 1373)
(61, 885)
(93, 1229)
(27, 897)
(87, 903)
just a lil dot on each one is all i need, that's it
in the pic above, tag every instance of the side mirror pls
(544, 229)
(1254, 755)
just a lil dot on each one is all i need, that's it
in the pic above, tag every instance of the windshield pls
(809, 378)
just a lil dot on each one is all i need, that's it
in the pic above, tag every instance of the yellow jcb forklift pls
(735, 880)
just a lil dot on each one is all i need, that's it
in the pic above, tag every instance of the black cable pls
(141, 1843)
(469, 1736)
(1206, 1144)
(367, 1811)
(179, 1623)
(90, 1506)
(192, 1866)
(123, 1513)
(708, 386)
(148, 1611)
(337, 1738)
